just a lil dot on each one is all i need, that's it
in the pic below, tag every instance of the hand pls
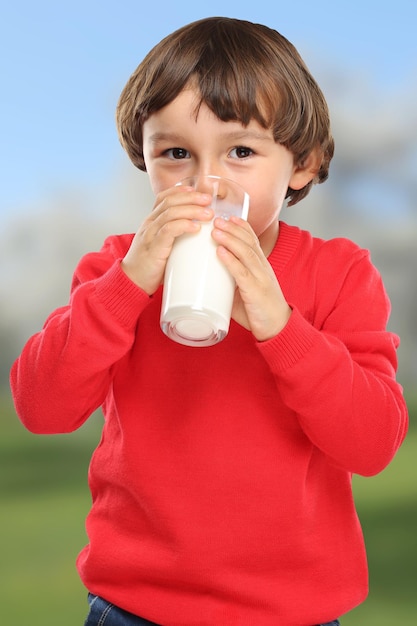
(259, 303)
(177, 210)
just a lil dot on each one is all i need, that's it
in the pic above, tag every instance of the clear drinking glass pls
(198, 289)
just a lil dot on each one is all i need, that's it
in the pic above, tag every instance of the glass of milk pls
(198, 289)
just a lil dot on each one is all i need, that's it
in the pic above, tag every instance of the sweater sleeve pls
(338, 374)
(64, 371)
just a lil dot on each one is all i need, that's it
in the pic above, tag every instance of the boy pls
(222, 483)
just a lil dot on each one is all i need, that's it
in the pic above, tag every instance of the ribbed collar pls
(287, 243)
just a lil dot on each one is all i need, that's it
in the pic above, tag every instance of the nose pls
(208, 166)
(211, 184)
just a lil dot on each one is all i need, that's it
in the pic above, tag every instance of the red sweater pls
(222, 483)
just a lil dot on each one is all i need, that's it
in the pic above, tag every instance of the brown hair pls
(243, 71)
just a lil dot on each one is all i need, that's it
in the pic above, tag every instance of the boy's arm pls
(340, 378)
(64, 371)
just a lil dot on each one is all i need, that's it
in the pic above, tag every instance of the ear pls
(306, 170)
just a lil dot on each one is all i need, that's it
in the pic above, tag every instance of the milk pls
(198, 291)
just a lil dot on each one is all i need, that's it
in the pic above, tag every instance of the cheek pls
(260, 220)
(155, 186)
(159, 182)
(265, 206)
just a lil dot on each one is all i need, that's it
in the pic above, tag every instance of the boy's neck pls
(269, 238)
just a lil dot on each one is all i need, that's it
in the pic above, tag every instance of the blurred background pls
(65, 184)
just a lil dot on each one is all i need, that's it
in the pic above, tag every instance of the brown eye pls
(177, 153)
(241, 152)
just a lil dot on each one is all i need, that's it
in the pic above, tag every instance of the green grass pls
(44, 501)
(387, 507)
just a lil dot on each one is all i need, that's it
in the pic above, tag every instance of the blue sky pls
(63, 65)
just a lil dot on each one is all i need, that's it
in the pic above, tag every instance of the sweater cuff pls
(291, 344)
(120, 296)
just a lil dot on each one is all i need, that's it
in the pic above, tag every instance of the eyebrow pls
(231, 136)
(171, 137)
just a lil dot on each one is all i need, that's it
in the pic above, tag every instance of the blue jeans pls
(103, 613)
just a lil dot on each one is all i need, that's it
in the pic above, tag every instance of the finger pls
(180, 197)
(236, 225)
(241, 242)
(176, 221)
(244, 264)
(177, 214)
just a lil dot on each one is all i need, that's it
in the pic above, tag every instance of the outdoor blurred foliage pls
(369, 197)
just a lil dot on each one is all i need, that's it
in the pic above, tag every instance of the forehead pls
(186, 113)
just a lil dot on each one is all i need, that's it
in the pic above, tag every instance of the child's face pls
(177, 144)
